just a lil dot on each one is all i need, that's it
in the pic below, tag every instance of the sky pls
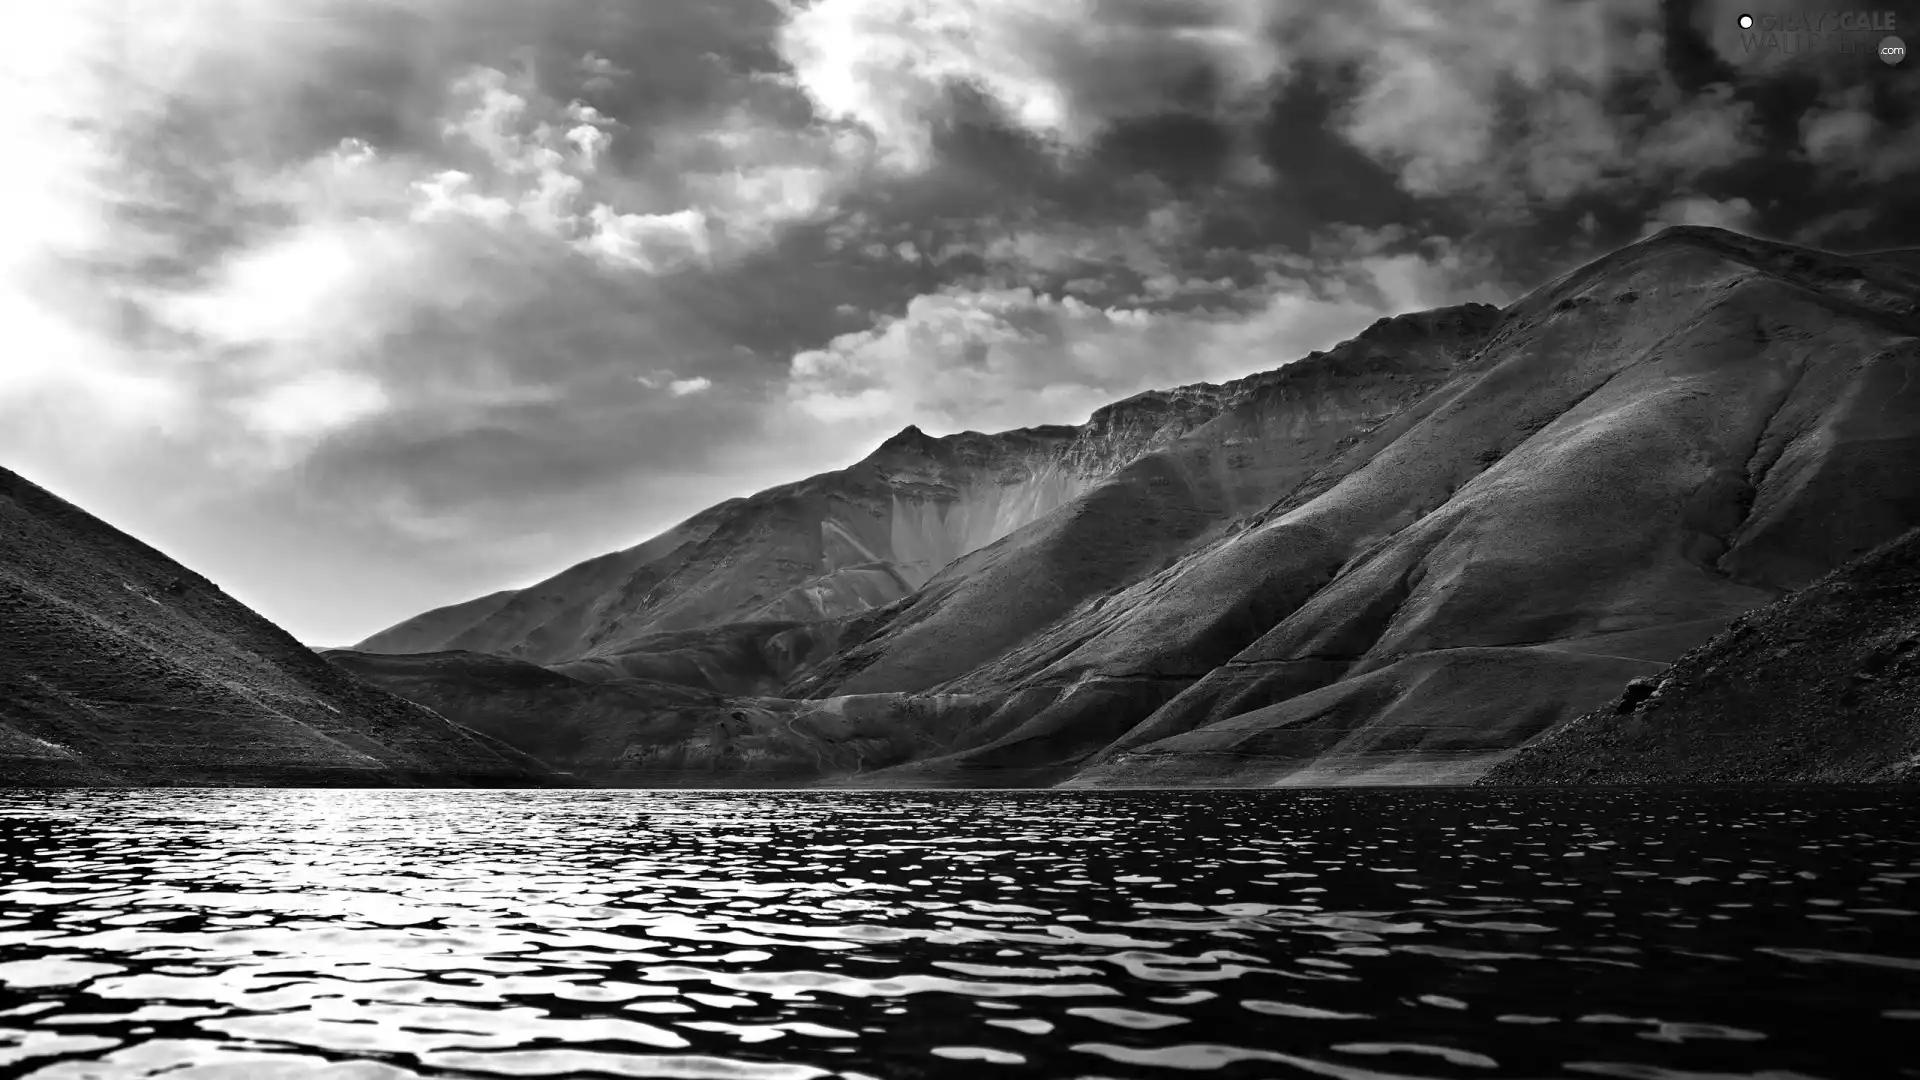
(361, 307)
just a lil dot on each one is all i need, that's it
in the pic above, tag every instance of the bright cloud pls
(1736, 214)
(450, 193)
(740, 179)
(1062, 69)
(756, 176)
(313, 405)
(543, 157)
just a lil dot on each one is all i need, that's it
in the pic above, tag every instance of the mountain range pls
(1468, 544)
(1396, 561)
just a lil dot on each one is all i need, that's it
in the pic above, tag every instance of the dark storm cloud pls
(1541, 131)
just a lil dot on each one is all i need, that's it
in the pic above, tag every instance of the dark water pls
(765, 936)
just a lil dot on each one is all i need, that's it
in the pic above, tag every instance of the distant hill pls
(120, 666)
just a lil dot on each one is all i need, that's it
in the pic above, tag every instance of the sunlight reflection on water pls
(1361, 935)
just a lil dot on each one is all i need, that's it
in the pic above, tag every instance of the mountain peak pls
(909, 438)
(1697, 232)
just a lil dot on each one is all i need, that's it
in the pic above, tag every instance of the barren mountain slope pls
(1288, 429)
(1646, 448)
(1822, 687)
(118, 665)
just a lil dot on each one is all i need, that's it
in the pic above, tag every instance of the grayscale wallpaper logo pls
(1864, 33)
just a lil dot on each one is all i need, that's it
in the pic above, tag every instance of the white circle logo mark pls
(1746, 22)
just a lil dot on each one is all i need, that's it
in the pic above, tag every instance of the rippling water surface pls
(785, 936)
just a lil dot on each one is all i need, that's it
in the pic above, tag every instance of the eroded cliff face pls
(1394, 562)
(120, 666)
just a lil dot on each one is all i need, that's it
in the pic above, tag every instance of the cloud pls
(50, 349)
(1065, 70)
(1848, 220)
(1527, 105)
(651, 242)
(450, 193)
(1012, 357)
(1735, 214)
(757, 176)
(1840, 136)
(1847, 141)
(541, 158)
(683, 387)
(261, 304)
(1520, 104)
(314, 404)
(601, 74)
(1145, 248)
(715, 186)
(1711, 130)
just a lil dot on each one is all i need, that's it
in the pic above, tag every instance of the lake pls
(1359, 934)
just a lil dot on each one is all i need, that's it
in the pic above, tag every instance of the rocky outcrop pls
(120, 666)
(1822, 686)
